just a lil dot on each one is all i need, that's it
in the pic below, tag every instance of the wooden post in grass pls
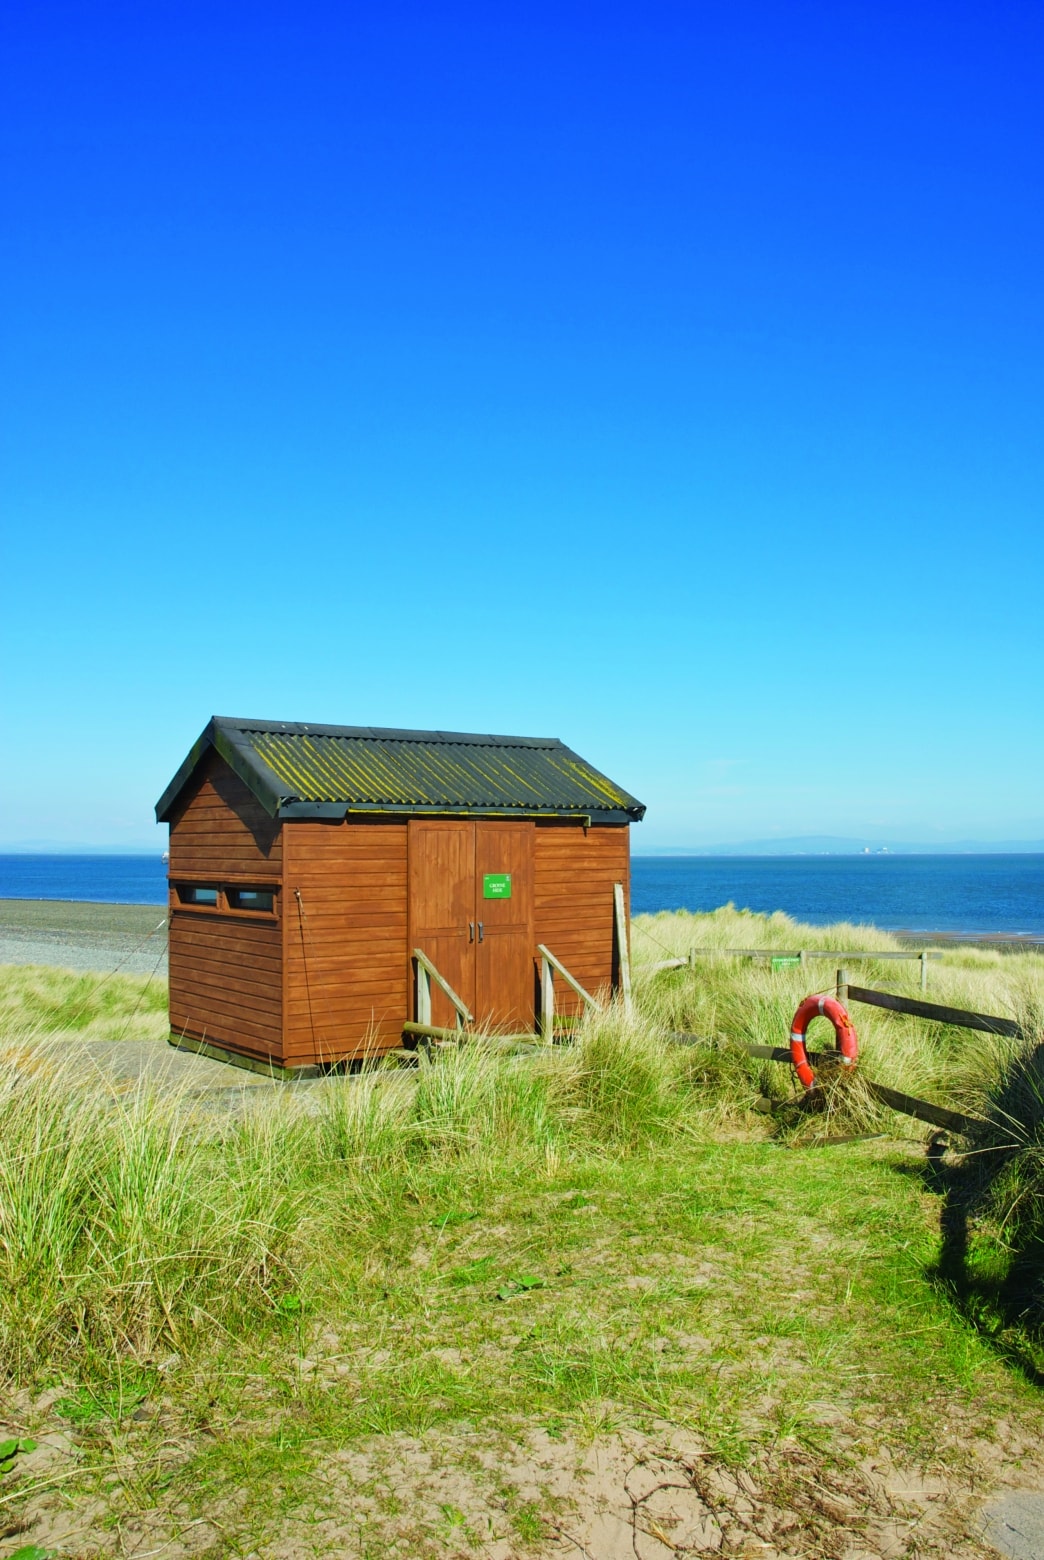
(622, 949)
(423, 993)
(804, 960)
(547, 1001)
(924, 971)
(842, 987)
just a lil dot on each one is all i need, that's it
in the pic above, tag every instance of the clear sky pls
(667, 378)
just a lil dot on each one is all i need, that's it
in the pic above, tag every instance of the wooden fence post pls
(803, 958)
(622, 946)
(842, 986)
(547, 1001)
(924, 971)
(423, 993)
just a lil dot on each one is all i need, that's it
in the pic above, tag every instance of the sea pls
(967, 895)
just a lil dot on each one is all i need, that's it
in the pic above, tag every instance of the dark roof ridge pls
(381, 733)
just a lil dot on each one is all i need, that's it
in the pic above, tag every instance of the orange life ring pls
(844, 1030)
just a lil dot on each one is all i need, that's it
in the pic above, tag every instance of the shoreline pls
(98, 904)
(970, 939)
(106, 936)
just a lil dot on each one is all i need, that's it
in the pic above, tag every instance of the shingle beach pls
(79, 936)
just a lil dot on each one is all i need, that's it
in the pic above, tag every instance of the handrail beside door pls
(426, 973)
(548, 965)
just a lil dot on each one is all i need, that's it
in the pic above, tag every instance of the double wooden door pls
(471, 912)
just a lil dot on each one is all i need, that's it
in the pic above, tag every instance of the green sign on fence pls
(787, 962)
(496, 885)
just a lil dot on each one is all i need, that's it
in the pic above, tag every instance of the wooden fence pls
(908, 1104)
(922, 1110)
(963, 1018)
(799, 956)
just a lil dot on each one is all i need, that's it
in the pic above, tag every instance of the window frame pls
(250, 888)
(223, 886)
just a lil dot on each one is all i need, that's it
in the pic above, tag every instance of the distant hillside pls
(835, 845)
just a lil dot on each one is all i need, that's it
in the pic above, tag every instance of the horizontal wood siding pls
(226, 971)
(224, 830)
(575, 873)
(345, 940)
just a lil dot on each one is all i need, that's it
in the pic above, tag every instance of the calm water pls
(926, 893)
(122, 880)
(913, 893)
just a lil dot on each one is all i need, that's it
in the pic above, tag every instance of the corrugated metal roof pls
(314, 771)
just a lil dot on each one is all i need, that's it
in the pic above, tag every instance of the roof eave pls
(240, 758)
(293, 808)
(196, 753)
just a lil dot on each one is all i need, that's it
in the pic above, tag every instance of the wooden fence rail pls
(802, 955)
(907, 1104)
(812, 953)
(960, 1017)
(455, 1036)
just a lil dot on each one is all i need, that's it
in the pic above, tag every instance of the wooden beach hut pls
(329, 883)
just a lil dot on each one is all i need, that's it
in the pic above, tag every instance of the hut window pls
(250, 899)
(197, 894)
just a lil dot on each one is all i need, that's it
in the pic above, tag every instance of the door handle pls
(471, 931)
(480, 931)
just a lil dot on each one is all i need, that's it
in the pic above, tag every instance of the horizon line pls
(787, 846)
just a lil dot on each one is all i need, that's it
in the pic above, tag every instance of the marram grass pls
(131, 1223)
(93, 1006)
(134, 1224)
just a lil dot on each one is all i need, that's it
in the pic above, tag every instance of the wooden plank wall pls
(575, 870)
(224, 829)
(331, 976)
(226, 971)
(345, 940)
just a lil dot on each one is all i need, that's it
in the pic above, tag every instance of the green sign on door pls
(496, 885)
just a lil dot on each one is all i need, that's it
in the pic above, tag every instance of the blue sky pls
(664, 378)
